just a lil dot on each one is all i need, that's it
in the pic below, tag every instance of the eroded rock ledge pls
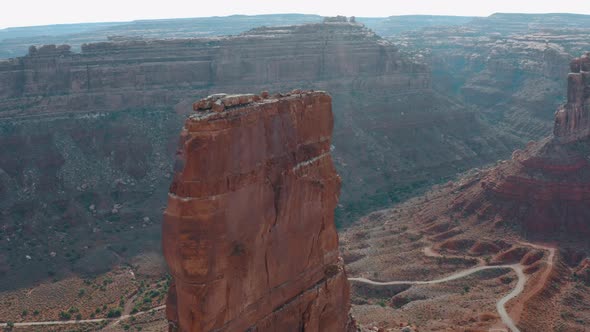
(249, 232)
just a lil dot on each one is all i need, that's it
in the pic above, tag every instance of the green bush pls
(114, 313)
(65, 315)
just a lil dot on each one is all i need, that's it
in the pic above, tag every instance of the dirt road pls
(501, 304)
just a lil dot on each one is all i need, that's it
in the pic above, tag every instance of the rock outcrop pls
(572, 121)
(249, 231)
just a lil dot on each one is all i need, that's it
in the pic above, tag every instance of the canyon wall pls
(87, 139)
(249, 231)
(15, 42)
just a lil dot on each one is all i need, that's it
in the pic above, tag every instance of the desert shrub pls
(65, 315)
(114, 313)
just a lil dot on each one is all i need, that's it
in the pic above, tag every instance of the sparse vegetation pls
(64, 315)
(116, 312)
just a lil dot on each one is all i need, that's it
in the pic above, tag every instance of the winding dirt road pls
(501, 304)
(82, 321)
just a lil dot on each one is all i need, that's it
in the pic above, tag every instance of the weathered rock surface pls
(249, 231)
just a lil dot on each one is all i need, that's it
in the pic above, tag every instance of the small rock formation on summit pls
(249, 231)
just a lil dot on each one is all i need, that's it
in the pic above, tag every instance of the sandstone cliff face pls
(249, 231)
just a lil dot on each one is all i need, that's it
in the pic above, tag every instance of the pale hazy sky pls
(41, 12)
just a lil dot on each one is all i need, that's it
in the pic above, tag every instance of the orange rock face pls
(249, 232)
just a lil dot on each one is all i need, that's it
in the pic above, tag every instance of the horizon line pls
(271, 14)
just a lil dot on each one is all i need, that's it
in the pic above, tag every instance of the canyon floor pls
(420, 265)
(424, 265)
(129, 297)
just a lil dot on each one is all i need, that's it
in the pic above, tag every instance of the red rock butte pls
(545, 188)
(249, 233)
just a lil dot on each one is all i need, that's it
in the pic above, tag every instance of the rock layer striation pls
(249, 231)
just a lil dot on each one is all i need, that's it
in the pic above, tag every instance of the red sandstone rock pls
(249, 232)
(512, 255)
(532, 257)
(484, 248)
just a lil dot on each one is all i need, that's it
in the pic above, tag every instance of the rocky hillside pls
(530, 212)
